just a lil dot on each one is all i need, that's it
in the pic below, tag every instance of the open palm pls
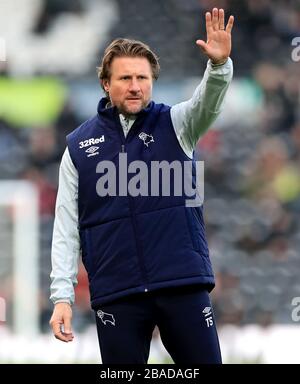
(218, 44)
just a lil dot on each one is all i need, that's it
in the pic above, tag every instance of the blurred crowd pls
(252, 175)
(252, 178)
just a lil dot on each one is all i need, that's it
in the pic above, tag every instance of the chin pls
(132, 110)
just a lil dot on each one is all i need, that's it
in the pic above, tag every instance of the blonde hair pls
(126, 47)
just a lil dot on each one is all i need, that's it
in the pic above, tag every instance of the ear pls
(106, 85)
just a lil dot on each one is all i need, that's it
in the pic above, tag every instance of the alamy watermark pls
(2, 309)
(160, 178)
(296, 311)
(2, 49)
(296, 51)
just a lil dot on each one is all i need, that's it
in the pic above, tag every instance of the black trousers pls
(183, 315)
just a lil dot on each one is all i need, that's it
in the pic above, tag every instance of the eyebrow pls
(130, 75)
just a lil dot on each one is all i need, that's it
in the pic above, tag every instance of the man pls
(146, 256)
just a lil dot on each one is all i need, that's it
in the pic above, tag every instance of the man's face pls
(130, 84)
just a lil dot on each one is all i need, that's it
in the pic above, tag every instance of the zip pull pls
(123, 148)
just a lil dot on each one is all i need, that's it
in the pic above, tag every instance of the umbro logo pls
(92, 151)
(92, 143)
(207, 311)
(208, 316)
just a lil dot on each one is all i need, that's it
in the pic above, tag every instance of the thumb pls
(67, 325)
(202, 44)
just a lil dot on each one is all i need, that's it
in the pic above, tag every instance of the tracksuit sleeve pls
(192, 118)
(65, 242)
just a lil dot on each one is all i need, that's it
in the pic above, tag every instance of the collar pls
(105, 108)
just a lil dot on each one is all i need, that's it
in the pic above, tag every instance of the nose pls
(134, 86)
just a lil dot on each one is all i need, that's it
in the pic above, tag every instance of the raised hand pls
(218, 44)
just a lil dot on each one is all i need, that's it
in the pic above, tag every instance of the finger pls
(58, 334)
(55, 325)
(230, 24)
(209, 27)
(221, 19)
(215, 19)
(67, 336)
(202, 44)
(67, 325)
(63, 337)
